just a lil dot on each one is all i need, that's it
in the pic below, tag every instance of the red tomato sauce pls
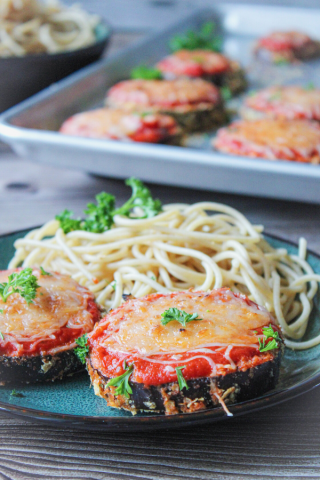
(150, 373)
(64, 336)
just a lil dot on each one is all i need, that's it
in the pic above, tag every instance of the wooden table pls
(280, 442)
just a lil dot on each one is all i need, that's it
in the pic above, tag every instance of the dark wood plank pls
(280, 442)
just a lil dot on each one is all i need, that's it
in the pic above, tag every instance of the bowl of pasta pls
(42, 42)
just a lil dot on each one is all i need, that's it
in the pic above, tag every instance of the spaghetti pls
(201, 246)
(30, 27)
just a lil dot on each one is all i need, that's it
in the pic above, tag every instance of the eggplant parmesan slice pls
(272, 139)
(211, 66)
(115, 124)
(38, 338)
(194, 103)
(278, 47)
(218, 345)
(291, 102)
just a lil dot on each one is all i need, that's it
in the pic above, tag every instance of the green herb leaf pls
(122, 382)
(205, 39)
(309, 86)
(83, 349)
(178, 315)
(16, 394)
(145, 73)
(226, 93)
(268, 332)
(1, 336)
(113, 285)
(23, 282)
(67, 223)
(100, 216)
(1, 310)
(275, 96)
(181, 380)
(43, 272)
(141, 197)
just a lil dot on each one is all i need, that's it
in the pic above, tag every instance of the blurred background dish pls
(42, 42)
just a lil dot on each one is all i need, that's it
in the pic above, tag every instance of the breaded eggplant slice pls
(289, 102)
(211, 66)
(287, 47)
(116, 124)
(194, 103)
(271, 139)
(38, 339)
(217, 355)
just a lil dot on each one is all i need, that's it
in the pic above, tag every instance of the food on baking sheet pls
(184, 351)
(291, 102)
(211, 66)
(282, 47)
(194, 103)
(144, 247)
(30, 26)
(272, 139)
(42, 314)
(206, 38)
(121, 125)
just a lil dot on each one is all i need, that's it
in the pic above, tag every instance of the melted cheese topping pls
(60, 302)
(116, 124)
(194, 63)
(227, 319)
(287, 101)
(297, 140)
(162, 93)
(278, 41)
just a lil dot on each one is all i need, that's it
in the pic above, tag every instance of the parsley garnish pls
(181, 380)
(1, 336)
(1, 310)
(268, 332)
(226, 93)
(310, 86)
(122, 382)
(23, 282)
(178, 315)
(113, 285)
(83, 349)
(205, 39)
(43, 272)
(67, 223)
(100, 216)
(15, 394)
(145, 73)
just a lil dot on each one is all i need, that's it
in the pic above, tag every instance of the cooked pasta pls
(30, 26)
(200, 246)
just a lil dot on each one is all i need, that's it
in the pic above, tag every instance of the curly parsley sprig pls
(269, 333)
(122, 382)
(205, 39)
(100, 216)
(23, 282)
(83, 349)
(179, 315)
(146, 73)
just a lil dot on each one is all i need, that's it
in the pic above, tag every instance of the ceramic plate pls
(72, 403)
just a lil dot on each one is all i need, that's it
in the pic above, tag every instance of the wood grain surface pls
(282, 442)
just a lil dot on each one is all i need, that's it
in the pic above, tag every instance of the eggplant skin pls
(34, 369)
(201, 395)
(200, 119)
(235, 80)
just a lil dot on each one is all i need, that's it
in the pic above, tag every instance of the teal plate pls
(72, 403)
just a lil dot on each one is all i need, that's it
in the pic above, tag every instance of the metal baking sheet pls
(31, 127)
